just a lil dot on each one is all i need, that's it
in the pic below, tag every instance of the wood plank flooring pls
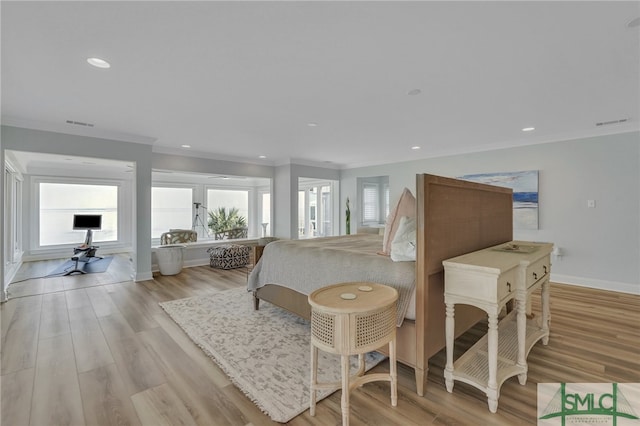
(31, 279)
(100, 353)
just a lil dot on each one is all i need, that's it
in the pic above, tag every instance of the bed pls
(453, 217)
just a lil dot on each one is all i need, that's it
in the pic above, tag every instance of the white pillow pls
(406, 207)
(403, 246)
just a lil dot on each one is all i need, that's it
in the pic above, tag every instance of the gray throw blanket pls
(306, 265)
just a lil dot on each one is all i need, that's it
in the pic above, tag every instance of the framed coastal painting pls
(525, 194)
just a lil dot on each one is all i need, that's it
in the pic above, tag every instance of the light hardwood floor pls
(101, 354)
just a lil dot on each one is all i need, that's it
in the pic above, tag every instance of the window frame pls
(253, 216)
(261, 192)
(164, 184)
(382, 185)
(305, 186)
(200, 185)
(375, 187)
(125, 225)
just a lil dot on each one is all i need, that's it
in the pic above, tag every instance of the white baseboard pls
(196, 262)
(10, 273)
(143, 276)
(630, 288)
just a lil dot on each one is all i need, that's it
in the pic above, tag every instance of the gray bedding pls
(306, 265)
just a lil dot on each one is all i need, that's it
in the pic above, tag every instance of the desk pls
(488, 279)
(353, 319)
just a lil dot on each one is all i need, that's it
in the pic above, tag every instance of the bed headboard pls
(454, 217)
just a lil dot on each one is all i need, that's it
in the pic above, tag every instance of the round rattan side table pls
(353, 319)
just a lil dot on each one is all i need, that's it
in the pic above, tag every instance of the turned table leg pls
(449, 334)
(521, 323)
(492, 385)
(314, 380)
(345, 390)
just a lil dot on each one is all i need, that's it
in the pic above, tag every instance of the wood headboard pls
(454, 217)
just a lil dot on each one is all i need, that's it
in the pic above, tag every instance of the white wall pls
(601, 245)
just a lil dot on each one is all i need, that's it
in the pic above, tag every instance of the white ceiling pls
(236, 80)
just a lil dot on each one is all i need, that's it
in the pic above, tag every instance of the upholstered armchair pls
(232, 234)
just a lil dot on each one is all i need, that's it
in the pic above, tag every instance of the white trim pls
(630, 288)
(125, 226)
(10, 272)
(146, 276)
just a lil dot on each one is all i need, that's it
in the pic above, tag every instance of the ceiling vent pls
(79, 123)
(608, 123)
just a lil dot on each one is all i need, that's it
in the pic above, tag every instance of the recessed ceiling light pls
(415, 148)
(634, 23)
(185, 146)
(414, 92)
(262, 156)
(312, 124)
(528, 129)
(99, 63)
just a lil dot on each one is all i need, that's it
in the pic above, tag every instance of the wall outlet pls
(591, 204)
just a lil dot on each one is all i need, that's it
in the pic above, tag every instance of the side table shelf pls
(472, 366)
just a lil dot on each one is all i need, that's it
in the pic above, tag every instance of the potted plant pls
(223, 223)
(348, 217)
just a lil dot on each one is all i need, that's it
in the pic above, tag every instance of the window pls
(266, 214)
(385, 189)
(171, 208)
(58, 202)
(325, 213)
(229, 199)
(302, 216)
(315, 208)
(370, 204)
(373, 193)
(176, 195)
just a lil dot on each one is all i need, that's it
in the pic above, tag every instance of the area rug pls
(96, 265)
(265, 353)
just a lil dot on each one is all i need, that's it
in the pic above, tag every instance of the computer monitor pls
(88, 222)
